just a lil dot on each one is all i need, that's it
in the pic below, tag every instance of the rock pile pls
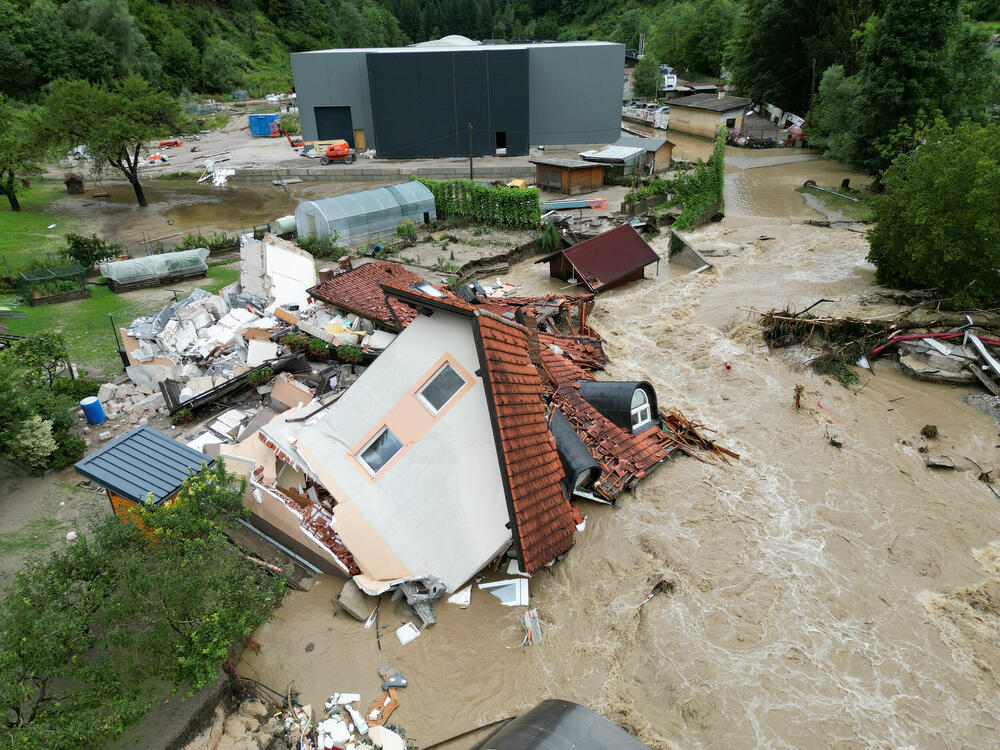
(250, 728)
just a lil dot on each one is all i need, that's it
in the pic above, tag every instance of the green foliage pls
(21, 148)
(215, 242)
(549, 238)
(654, 186)
(318, 349)
(937, 223)
(39, 356)
(407, 232)
(184, 415)
(700, 190)
(89, 635)
(646, 78)
(113, 121)
(89, 251)
(502, 207)
(289, 122)
(78, 388)
(916, 58)
(259, 377)
(803, 31)
(349, 353)
(693, 35)
(322, 247)
(296, 342)
(33, 443)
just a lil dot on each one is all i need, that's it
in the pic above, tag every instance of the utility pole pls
(470, 150)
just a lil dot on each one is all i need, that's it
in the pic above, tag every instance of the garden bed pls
(63, 297)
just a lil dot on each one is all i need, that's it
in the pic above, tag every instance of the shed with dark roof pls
(706, 114)
(659, 151)
(142, 465)
(605, 261)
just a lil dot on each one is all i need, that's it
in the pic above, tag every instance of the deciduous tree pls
(114, 121)
(646, 78)
(936, 223)
(21, 149)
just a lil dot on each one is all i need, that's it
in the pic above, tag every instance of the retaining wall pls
(358, 172)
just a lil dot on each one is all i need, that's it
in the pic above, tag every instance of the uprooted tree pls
(113, 121)
(89, 637)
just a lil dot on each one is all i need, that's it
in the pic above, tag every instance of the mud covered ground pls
(831, 591)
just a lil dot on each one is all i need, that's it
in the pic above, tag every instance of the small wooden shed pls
(568, 176)
(74, 183)
(659, 151)
(144, 465)
(605, 261)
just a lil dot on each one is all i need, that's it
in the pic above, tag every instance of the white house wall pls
(440, 505)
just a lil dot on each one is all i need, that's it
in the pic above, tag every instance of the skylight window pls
(380, 451)
(440, 389)
(429, 289)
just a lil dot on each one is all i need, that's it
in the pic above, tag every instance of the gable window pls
(440, 389)
(641, 413)
(380, 450)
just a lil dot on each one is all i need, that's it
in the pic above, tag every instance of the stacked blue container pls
(263, 125)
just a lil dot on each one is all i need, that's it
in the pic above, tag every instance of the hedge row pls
(700, 191)
(502, 207)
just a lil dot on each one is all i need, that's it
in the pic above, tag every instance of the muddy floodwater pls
(830, 590)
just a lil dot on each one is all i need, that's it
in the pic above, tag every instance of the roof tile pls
(358, 291)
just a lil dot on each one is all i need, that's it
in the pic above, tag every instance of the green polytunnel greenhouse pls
(155, 270)
(367, 215)
(53, 284)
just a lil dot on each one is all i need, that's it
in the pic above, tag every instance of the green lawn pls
(25, 235)
(85, 328)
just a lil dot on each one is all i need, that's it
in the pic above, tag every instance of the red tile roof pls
(543, 518)
(358, 291)
(608, 257)
(624, 458)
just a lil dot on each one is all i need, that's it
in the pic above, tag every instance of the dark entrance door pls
(333, 123)
(501, 140)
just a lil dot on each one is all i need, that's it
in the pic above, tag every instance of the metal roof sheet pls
(610, 256)
(568, 163)
(711, 102)
(141, 463)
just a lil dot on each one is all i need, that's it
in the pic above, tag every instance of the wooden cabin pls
(568, 176)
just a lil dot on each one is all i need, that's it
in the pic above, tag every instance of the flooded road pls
(831, 591)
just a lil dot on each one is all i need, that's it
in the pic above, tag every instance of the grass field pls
(25, 236)
(86, 329)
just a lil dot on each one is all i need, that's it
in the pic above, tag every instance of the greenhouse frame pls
(366, 215)
(53, 285)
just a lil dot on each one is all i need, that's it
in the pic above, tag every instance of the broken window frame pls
(642, 412)
(373, 471)
(437, 373)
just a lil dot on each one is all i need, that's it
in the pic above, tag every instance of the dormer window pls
(440, 389)
(641, 412)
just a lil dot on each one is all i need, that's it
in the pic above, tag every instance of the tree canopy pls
(114, 121)
(89, 636)
(646, 78)
(694, 35)
(936, 223)
(21, 149)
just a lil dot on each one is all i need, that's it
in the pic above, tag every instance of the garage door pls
(334, 123)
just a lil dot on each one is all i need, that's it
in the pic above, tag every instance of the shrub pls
(655, 186)
(407, 232)
(503, 207)
(182, 416)
(76, 389)
(700, 192)
(322, 247)
(259, 377)
(549, 238)
(33, 444)
(349, 353)
(290, 123)
(90, 251)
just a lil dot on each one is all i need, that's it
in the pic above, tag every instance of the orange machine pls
(338, 151)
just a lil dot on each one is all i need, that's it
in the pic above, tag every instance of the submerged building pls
(420, 101)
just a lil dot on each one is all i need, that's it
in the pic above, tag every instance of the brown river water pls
(825, 597)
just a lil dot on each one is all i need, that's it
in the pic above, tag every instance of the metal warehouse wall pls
(332, 79)
(422, 102)
(575, 93)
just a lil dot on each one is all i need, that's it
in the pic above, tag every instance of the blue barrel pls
(92, 410)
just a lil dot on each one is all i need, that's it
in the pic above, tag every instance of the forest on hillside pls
(214, 48)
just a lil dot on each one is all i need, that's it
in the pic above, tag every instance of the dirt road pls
(832, 591)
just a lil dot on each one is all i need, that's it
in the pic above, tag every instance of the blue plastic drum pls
(93, 410)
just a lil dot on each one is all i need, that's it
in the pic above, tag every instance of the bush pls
(322, 247)
(937, 223)
(259, 377)
(503, 207)
(407, 232)
(76, 389)
(182, 416)
(215, 242)
(654, 186)
(348, 353)
(700, 192)
(289, 122)
(296, 342)
(90, 251)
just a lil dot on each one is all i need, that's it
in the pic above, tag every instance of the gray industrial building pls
(408, 102)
